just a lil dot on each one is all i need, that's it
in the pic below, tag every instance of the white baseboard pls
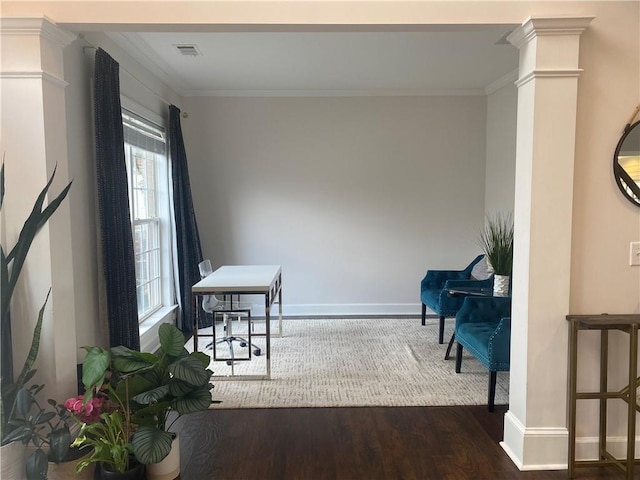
(547, 448)
(539, 448)
(345, 309)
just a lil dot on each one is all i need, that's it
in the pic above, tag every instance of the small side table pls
(604, 323)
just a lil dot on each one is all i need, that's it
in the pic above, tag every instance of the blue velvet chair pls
(435, 295)
(483, 327)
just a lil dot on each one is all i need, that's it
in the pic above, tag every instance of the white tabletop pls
(239, 278)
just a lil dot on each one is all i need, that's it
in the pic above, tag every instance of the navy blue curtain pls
(113, 204)
(188, 246)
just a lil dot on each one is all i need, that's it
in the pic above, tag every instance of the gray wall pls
(355, 197)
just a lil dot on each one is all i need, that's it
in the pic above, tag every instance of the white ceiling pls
(327, 63)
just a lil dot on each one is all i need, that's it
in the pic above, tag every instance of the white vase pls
(169, 467)
(501, 285)
(13, 458)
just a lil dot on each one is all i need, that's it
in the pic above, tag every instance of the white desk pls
(244, 280)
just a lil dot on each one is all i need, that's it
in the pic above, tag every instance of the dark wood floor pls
(439, 443)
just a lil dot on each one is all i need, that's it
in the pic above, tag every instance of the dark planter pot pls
(135, 472)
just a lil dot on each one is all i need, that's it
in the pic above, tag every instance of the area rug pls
(353, 362)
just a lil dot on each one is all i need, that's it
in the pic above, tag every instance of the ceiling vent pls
(188, 50)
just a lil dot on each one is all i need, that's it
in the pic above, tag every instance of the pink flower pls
(88, 413)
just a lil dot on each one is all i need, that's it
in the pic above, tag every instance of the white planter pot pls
(501, 285)
(169, 467)
(13, 458)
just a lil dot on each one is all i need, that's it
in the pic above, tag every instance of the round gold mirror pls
(626, 163)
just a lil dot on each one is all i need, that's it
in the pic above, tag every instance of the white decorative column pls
(33, 141)
(535, 433)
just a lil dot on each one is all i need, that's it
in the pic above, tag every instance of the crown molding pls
(338, 93)
(41, 26)
(510, 77)
(140, 51)
(540, 26)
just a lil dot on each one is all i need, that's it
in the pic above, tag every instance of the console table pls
(244, 280)
(604, 323)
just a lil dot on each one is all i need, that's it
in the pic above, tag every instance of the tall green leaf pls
(36, 220)
(35, 345)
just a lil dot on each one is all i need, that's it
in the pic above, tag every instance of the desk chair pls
(214, 305)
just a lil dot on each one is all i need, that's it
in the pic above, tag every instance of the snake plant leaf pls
(189, 369)
(196, 401)
(36, 220)
(35, 345)
(37, 465)
(151, 445)
(171, 339)
(2, 182)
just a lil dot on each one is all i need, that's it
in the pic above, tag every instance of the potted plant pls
(110, 440)
(496, 241)
(150, 387)
(22, 419)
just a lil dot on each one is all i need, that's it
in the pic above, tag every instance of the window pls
(146, 158)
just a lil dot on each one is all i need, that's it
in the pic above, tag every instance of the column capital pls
(40, 26)
(539, 26)
(32, 48)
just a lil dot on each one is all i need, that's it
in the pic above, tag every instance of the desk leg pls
(195, 322)
(573, 370)
(633, 390)
(267, 316)
(280, 310)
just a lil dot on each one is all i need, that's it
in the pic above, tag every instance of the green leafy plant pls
(496, 241)
(47, 430)
(109, 440)
(21, 416)
(150, 386)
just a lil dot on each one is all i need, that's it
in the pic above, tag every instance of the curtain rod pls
(90, 45)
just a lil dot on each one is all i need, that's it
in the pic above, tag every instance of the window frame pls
(163, 211)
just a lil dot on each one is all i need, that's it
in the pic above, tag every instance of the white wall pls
(354, 197)
(502, 106)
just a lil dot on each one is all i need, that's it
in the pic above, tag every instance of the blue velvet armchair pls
(483, 327)
(434, 292)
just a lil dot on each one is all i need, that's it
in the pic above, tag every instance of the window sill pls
(149, 341)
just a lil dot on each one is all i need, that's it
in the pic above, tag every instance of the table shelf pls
(604, 323)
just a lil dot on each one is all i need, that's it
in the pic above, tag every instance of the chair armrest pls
(483, 309)
(435, 279)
